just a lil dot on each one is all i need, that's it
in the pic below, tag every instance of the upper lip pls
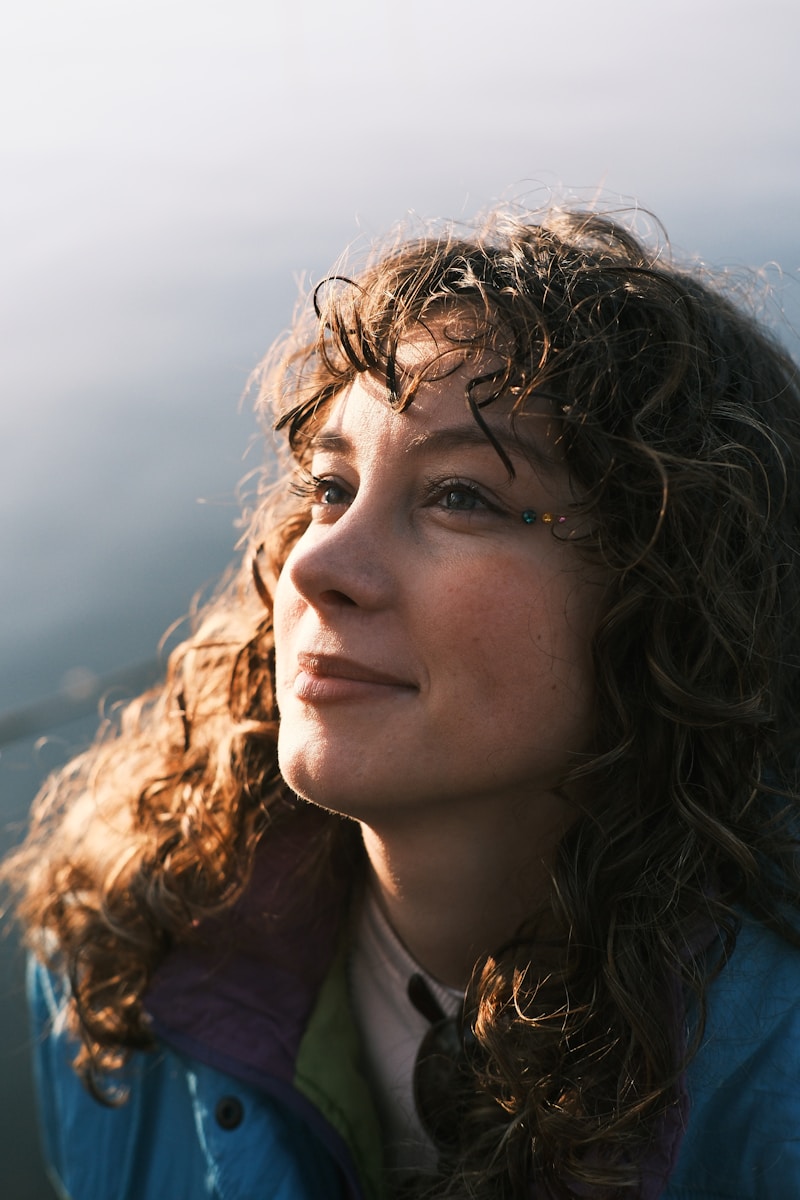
(338, 667)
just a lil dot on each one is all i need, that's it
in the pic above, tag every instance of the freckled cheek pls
(520, 647)
(484, 637)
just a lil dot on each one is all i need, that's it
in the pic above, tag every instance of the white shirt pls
(392, 1029)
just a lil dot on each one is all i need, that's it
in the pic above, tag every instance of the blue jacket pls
(192, 1131)
(255, 1090)
(742, 1137)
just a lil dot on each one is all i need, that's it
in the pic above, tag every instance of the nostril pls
(344, 566)
(333, 597)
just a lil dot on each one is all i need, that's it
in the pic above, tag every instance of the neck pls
(456, 889)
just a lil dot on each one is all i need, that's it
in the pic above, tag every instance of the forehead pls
(446, 396)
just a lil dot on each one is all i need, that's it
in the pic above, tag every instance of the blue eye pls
(327, 492)
(459, 496)
(462, 499)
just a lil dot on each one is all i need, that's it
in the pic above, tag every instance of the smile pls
(324, 677)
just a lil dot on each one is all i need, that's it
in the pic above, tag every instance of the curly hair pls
(680, 419)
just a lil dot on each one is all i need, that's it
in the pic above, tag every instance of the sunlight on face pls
(432, 648)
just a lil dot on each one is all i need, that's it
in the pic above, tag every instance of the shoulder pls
(186, 1129)
(743, 1133)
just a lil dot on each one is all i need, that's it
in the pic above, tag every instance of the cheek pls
(522, 651)
(285, 616)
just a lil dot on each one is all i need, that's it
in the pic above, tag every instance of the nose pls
(350, 563)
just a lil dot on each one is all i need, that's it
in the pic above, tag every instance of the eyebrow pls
(456, 437)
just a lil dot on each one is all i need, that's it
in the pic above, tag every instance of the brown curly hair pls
(680, 417)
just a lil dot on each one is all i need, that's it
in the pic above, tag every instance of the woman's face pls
(432, 647)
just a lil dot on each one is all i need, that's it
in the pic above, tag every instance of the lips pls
(333, 666)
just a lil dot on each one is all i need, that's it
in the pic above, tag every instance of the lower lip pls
(324, 689)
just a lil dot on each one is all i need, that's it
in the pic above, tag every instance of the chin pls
(323, 786)
(308, 781)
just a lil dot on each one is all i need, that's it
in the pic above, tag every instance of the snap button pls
(229, 1112)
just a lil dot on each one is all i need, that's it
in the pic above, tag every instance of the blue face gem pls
(529, 516)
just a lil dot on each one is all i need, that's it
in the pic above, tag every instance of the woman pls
(520, 621)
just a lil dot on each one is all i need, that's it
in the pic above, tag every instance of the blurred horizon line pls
(81, 695)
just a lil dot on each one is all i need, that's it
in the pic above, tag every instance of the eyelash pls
(311, 487)
(440, 488)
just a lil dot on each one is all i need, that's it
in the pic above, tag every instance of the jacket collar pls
(239, 994)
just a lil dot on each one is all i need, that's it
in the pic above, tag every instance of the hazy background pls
(170, 170)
